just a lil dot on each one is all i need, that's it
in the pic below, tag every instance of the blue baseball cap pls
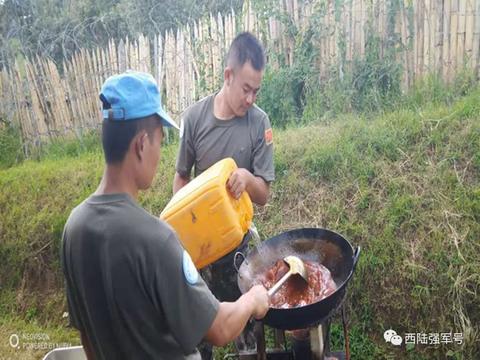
(132, 95)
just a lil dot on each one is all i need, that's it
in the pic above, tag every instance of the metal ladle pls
(296, 267)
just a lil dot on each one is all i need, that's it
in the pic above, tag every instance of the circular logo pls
(14, 340)
(189, 269)
(388, 334)
(396, 340)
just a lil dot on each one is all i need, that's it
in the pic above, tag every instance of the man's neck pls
(221, 108)
(115, 180)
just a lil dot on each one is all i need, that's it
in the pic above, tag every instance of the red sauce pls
(296, 292)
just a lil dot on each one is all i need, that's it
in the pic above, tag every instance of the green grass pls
(402, 184)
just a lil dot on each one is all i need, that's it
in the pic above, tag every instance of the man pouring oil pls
(228, 124)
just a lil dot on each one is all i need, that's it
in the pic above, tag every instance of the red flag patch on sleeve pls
(269, 136)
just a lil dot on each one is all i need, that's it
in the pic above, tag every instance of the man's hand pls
(260, 300)
(239, 182)
(232, 316)
(243, 180)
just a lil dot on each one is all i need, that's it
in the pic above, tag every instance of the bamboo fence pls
(46, 100)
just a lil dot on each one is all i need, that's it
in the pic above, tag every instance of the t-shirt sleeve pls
(72, 306)
(188, 304)
(263, 151)
(186, 151)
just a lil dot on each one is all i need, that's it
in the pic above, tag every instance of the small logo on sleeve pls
(189, 269)
(269, 136)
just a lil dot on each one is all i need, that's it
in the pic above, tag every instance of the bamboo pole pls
(469, 30)
(327, 37)
(404, 42)
(446, 40)
(102, 73)
(356, 28)
(201, 57)
(333, 35)
(421, 37)
(79, 89)
(91, 87)
(113, 60)
(157, 60)
(295, 10)
(215, 51)
(75, 94)
(220, 42)
(57, 98)
(38, 124)
(476, 41)
(67, 66)
(145, 54)
(37, 77)
(461, 34)
(20, 100)
(363, 19)
(23, 105)
(181, 69)
(189, 63)
(79, 84)
(122, 57)
(168, 70)
(426, 37)
(348, 32)
(95, 70)
(453, 37)
(85, 89)
(432, 33)
(66, 119)
(44, 93)
(439, 38)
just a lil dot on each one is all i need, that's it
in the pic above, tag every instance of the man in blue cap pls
(132, 290)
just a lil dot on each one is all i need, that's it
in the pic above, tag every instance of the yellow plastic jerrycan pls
(208, 220)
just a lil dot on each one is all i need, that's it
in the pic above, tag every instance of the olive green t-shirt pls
(131, 287)
(206, 140)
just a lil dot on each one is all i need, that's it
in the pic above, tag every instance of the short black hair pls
(246, 47)
(118, 134)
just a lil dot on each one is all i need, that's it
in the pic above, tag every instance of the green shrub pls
(11, 151)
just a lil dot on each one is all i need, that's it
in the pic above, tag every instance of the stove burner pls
(316, 347)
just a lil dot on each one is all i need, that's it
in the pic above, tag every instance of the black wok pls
(320, 245)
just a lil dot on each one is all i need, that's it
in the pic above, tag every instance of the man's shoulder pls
(193, 110)
(257, 112)
(259, 118)
(77, 214)
(155, 227)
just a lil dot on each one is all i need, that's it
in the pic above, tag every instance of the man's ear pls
(139, 144)
(228, 75)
